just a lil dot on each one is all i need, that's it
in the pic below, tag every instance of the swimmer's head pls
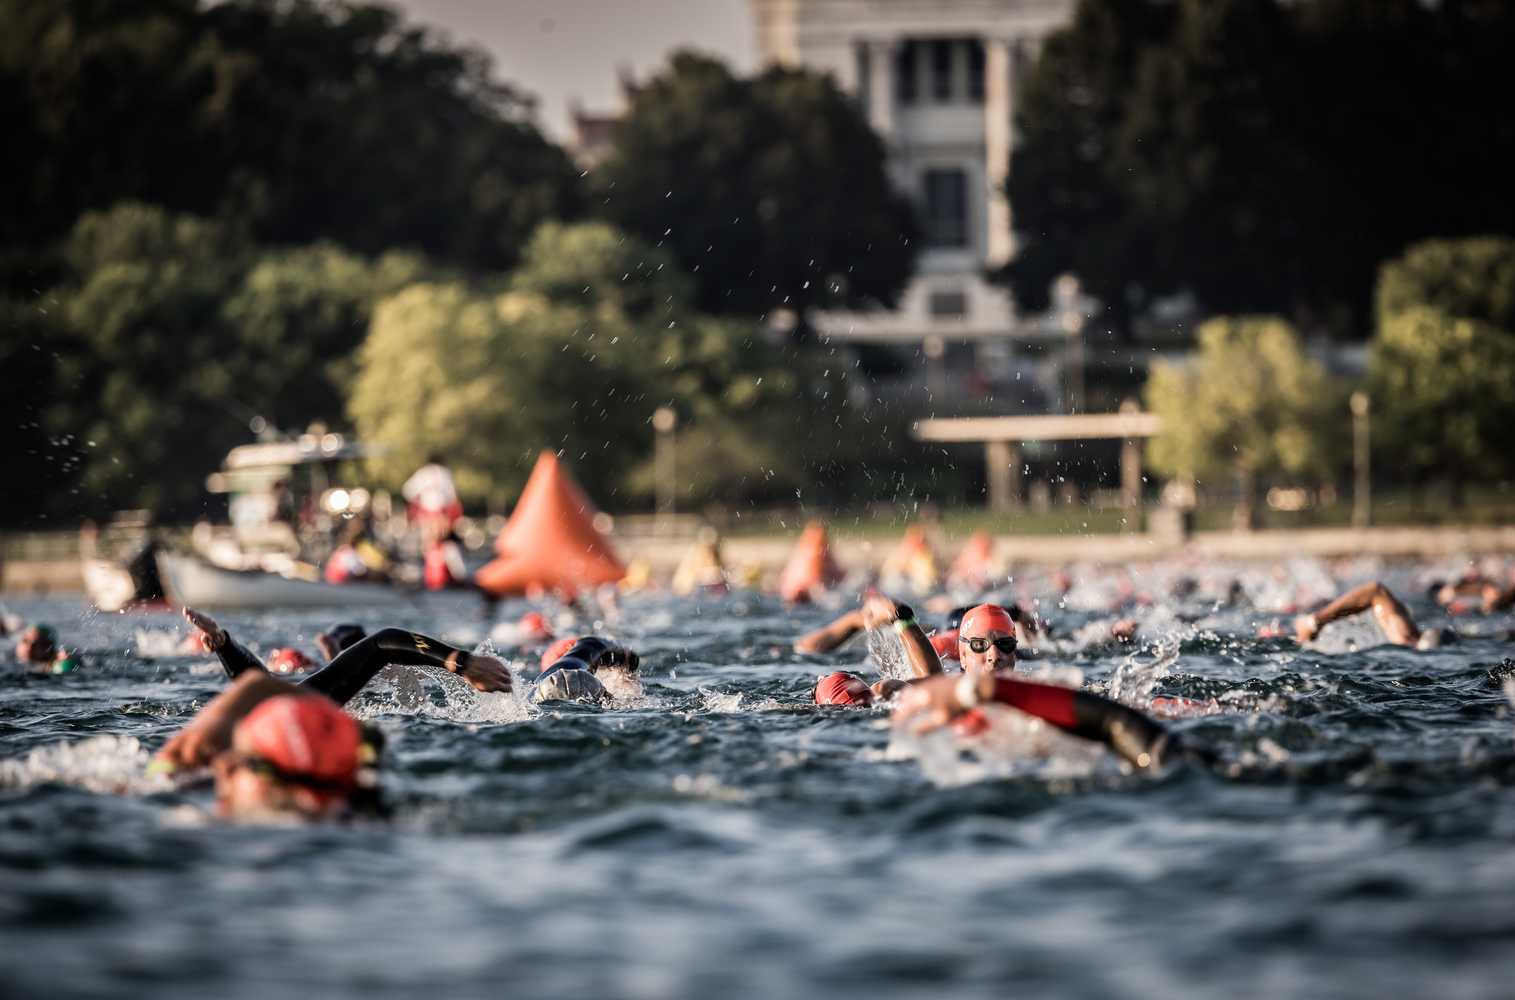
(38, 644)
(572, 684)
(842, 688)
(955, 619)
(534, 628)
(339, 637)
(288, 660)
(986, 640)
(293, 754)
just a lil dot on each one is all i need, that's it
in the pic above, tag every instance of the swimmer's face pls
(996, 651)
(246, 791)
(35, 647)
(241, 791)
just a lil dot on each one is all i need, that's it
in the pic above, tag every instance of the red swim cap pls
(945, 644)
(835, 689)
(554, 653)
(971, 723)
(303, 736)
(288, 660)
(534, 626)
(986, 618)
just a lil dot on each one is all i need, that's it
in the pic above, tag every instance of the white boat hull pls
(198, 584)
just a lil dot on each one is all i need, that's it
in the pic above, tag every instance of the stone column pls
(881, 87)
(1004, 466)
(998, 108)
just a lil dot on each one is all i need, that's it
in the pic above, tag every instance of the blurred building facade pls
(937, 80)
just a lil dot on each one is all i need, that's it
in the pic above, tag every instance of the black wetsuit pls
(590, 653)
(356, 665)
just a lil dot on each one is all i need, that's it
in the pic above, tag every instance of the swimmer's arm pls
(1393, 617)
(879, 611)
(342, 678)
(209, 733)
(235, 658)
(1133, 735)
(832, 635)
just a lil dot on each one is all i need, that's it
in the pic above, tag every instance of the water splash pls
(114, 765)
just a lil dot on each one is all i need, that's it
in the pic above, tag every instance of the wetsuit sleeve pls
(356, 665)
(1128, 732)
(236, 658)
(590, 653)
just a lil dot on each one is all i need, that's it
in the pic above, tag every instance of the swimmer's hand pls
(879, 611)
(212, 636)
(485, 673)
(210, 732)
(1306, 628)
(933, 702)
(887, 688)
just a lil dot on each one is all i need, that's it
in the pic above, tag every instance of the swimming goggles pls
(981, 644)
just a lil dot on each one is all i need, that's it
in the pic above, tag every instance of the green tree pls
(593, 334)
(172, 332)
(308, 120)
(1442, 368)
(768, 191)
(151, 397)
(1251, 405)
(1184, 146)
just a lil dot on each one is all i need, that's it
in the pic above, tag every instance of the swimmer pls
(275, 750)
(878, 611)
(938, 701)
(355, 666)
(1491, 596)
(39, 652)
(1390, 613)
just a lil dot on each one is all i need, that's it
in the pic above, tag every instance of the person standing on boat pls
(433, 498)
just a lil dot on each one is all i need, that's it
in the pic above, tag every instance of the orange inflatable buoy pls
(971, 568)
(810, 565)
(550, 542)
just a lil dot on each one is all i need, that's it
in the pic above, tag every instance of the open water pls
(717, 835)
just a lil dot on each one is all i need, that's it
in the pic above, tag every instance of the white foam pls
(111, 764)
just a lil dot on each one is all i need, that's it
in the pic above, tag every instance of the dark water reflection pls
(718, 836)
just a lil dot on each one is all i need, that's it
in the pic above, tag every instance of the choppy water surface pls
(720, 836)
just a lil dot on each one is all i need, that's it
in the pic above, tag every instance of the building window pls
(941, 69)
(947, 208)
(976, 71)
(948, 304)
(904, 73)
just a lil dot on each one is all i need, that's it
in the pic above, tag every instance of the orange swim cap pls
(554, 653)
(945, 644)
(986, 618)
(288, 660)
(836, 689)
(303, 737)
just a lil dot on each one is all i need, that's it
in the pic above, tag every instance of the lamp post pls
(1362, 497)
(664, 421)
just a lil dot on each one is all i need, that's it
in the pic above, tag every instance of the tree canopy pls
(172, 332)
(1252, 404)
(1442, 367)
(769, 191)
(1265, 155)
(302, 119)
(594, 333)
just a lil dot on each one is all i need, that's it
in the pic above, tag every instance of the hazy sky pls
(565, 49)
